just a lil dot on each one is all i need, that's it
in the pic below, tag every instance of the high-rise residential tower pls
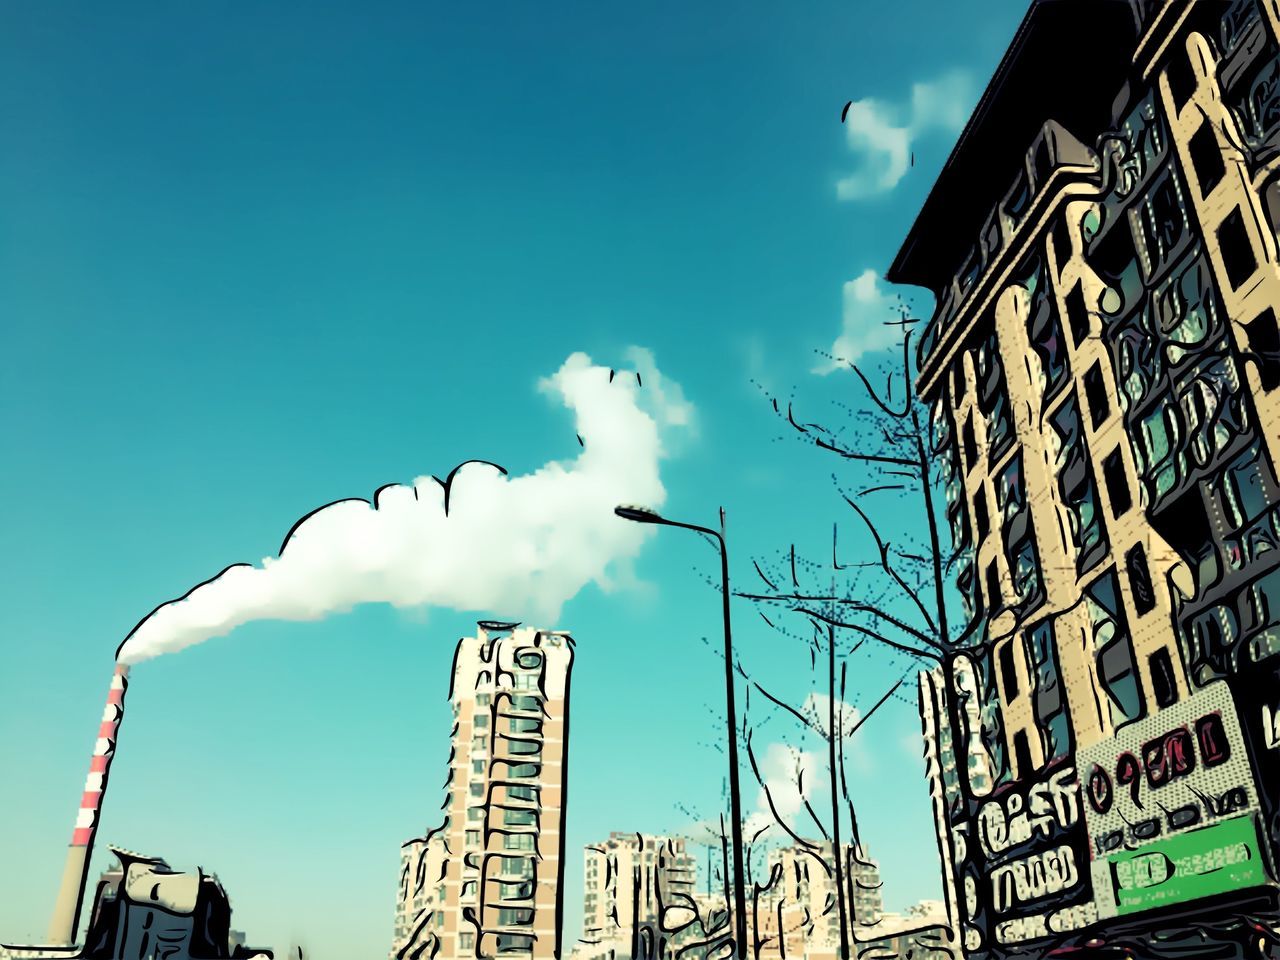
(638, 896)
(487, 881)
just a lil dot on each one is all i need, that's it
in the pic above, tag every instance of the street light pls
(643, 515)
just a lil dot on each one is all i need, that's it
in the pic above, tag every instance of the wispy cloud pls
(868, 323)
(883, 133)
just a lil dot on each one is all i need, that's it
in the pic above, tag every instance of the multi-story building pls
(797, 915)
(639, 896)
(487, 881)
(1103, 363)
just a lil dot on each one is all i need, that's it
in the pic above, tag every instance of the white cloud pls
(882, 134)
(509, 547)
(868, 323)
(817, 708)
(785, 769)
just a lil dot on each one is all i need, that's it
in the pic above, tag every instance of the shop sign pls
(1033, 852)
(1178, 772)
(1190, 866)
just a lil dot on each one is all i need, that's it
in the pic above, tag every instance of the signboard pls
(1032, 865)
(1160, 782)
(1189, 866)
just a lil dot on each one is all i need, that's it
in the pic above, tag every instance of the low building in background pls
(143, 908)
(796, 914)
(639, 897)
(487, 881)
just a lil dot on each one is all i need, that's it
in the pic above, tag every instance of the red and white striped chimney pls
(66, 913)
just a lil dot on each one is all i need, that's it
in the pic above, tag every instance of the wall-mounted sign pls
(1176, 773)
(1192, 865)
(1032, 856)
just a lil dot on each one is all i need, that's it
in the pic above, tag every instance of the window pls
(518, 841)
(466, 940)
(970, 445)
(516, 866)
(525, 702)
(1264, 347)
(1095, 393)
(1043, 328)
(519, 818)
(525, 771)
(1117, 483)
(1246, 496)
(468, 889)
(522, 792)
(1182, 80)
(1009, 670)
(477, 789)
(477, 766)
(1206, 158)
(482, 699)
(481, 720)
(980, 517)
(515, 916)
(528, 659)
(1162, 222)
(1163, 685)
(520, 890)
(525, 725)
(524, 748)
(992, 396)
(1077, 315)
(1116, 668)
(1076, 486)
(1144, 597)
(1050, 707)
(1022, 754)
(475, 813)
(472, 838)
(514, 943)
(993, 586)
(1061, 235)
(1237, 251)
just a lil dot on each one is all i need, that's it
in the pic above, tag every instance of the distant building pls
(144, 908)
(639, 896)
(487, 881)
(796, 914)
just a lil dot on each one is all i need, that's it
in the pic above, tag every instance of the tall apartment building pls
(638, 896)
(796, 915)
(486, 883)
(1103, 365)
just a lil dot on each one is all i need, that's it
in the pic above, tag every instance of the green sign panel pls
(1190, 866)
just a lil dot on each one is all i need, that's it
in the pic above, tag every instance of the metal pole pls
(735, 792)
(641, 515)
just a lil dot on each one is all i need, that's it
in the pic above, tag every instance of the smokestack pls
(66, 913)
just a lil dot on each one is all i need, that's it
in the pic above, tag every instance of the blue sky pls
(254, 259)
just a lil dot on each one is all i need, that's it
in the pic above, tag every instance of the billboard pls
(1030, 869)
(1188, 866)
(1164, 797)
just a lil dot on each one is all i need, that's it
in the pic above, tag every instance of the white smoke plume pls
(476, 540)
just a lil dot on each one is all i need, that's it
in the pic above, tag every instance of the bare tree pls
(894, 594)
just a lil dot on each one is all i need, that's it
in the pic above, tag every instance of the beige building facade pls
(1103, 366)
(486, 883)
(639, 897)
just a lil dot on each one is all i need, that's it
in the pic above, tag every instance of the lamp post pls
(641, 515)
